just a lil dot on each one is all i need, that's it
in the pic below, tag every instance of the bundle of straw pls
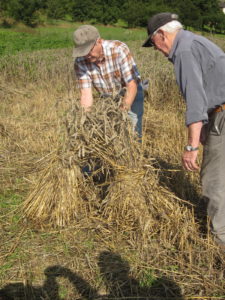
(134, 200)
(62, 193)
(56, 199)
(104, 140)
(109, 139)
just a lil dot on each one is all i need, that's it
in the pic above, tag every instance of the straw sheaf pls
(60, 197)
(103, 139)
(56, 198)
(108, 141)
(126, 203)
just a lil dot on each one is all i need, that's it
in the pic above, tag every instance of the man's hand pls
(124, 107)
(130, 95)
(189, 160)
(189, 157)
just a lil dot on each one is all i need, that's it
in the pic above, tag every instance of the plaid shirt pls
(114, 72)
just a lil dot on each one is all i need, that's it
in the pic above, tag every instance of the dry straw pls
(126, 205)
(62, 193)
(56, 199)
(111, 141)
(104, 142)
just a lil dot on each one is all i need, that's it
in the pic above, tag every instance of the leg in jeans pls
(137, 109)
(213, 174)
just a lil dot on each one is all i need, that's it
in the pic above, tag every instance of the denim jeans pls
(137, 110)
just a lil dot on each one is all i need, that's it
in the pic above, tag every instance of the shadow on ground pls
(115, 276)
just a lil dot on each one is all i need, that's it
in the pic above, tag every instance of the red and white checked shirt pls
(115, 71)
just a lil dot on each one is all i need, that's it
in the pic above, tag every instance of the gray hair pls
(171, 26)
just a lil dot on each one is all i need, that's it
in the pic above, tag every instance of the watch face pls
(188, 148)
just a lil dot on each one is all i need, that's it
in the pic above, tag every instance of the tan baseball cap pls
(84, 39)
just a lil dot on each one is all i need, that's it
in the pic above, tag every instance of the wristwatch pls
(189, 148)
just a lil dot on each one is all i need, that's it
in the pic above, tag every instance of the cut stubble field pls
(141, 232)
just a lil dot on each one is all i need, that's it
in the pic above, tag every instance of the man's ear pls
(161, 33)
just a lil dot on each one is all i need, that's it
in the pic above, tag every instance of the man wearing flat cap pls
(109, 67)
(200, 73)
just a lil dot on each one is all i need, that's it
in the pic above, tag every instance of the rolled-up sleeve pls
(83, 78)
(190, 80)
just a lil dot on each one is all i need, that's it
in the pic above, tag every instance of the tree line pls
(199, 14)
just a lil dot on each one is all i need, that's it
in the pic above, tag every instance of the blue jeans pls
(137, 110)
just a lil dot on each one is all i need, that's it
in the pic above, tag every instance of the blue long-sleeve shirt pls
(200, 73)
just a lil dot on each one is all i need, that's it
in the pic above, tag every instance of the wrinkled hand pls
(124, 107)
(189, 160)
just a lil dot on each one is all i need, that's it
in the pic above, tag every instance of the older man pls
(200, 73)
(109, 67)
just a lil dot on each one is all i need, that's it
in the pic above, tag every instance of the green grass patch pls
(9, 203)
(148, 278)
(10, 262)
(9, 200)
(15, 40)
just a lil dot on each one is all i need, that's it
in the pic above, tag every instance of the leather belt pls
(219, 108)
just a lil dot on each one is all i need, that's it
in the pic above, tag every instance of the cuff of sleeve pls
(137, 79)
(194, 117)
(84, 85)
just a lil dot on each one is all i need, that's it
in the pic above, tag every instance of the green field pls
(15, 40)
(25, 39)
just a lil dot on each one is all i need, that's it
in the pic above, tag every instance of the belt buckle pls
(222, 106)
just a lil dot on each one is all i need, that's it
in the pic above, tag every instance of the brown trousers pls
(213, 173)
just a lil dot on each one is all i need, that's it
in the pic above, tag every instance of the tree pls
(24, 10)
(81, 10)
(137, 12)
(190, 14)
(106, 12)
(56, 9)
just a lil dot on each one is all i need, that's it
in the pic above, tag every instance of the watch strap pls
(191, 148)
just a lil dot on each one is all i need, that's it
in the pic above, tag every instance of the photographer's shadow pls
(119, 284)
(115, 277)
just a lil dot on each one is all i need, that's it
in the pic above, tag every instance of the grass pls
(19, 39)
(60, 35)
(98, 258)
